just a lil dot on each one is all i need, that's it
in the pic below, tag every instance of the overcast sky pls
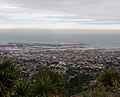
(81, 14)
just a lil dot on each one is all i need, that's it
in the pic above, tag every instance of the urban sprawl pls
(32, 57)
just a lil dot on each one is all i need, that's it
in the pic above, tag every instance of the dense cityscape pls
(59, 48)
(59, 57)
(68, 59)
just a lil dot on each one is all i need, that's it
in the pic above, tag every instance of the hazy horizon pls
(93, 22)
(58, 31)
(91, 39)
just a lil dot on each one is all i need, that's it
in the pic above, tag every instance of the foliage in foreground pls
(9, 74)
(51, 84)
(22, 89)
(110, 78)
(48, 84)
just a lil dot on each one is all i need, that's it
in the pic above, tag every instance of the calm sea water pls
(106, 40)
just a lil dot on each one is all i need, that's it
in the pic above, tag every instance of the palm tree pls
(8, 77)
(22, 89)
(110, 78)
(48, 84)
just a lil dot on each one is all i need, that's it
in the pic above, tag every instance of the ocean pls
(92, 40)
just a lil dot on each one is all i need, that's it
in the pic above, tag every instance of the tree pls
(109, 78)
(48, 84)
(22, 89)
(9, 74)
(75, 81)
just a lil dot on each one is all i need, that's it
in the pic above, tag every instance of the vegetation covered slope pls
(46, 83)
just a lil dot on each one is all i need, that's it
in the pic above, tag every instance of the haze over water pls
(100, 20)
(97, 40)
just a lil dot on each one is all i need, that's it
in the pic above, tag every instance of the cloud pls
(95, 9)
(59, 13)
(7, 6)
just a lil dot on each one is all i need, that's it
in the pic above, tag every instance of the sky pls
(60, 14)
